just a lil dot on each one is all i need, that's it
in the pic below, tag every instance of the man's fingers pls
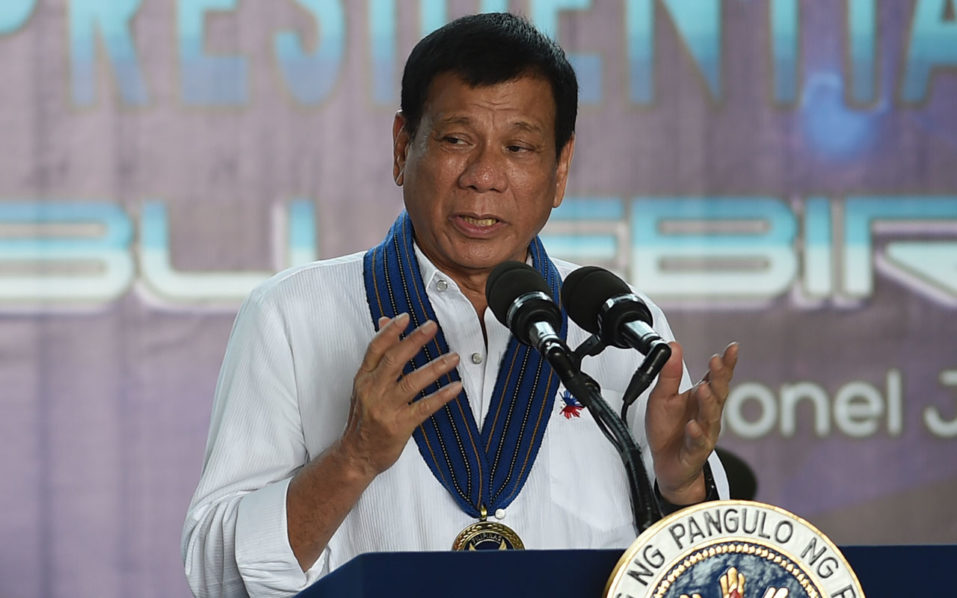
(720, 372)
(413, 383)
(696, 439)
(423, 409)
(395, 357)
(389, 352)
(387, 336)
(669, 378)
(709, 396)
(380, 374)
(730, 355)
(727, 360)
(709, 405)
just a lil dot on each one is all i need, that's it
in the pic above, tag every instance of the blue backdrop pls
(776, 172)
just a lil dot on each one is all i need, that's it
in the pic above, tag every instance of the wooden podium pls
(884, 572)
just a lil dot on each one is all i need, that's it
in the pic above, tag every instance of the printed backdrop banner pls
(775, 172)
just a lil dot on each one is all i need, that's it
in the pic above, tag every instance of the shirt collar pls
(431, 274)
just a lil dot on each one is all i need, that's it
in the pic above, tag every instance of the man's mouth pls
(480, 221)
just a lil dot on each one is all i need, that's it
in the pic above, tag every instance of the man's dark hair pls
(487, 49)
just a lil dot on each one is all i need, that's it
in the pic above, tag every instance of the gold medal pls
(487, 535)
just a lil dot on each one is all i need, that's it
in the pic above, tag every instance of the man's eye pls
(517, 148)
(451, 139)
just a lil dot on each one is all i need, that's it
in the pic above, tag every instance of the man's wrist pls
(710, 493)
(354, 467)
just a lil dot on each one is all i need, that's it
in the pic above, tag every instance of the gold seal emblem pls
(487, 535)
(733, 549)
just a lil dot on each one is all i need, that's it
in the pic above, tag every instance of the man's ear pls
(400, 147)
(561, 171)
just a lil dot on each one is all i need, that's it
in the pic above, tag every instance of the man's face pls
(480, 177)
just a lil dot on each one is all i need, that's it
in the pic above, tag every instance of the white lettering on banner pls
(59, 256)
(105, 32)
(743, 252)
(858, 409)
(714, 252)
(934, 421)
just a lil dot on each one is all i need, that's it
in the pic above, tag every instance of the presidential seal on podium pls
(733, 549)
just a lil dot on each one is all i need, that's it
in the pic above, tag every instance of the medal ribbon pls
(486, 469)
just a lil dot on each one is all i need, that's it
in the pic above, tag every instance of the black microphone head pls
(515, 282)
(585, 293)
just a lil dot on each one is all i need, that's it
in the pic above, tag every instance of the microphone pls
(604, 305)
(521, 300)
(519, 297)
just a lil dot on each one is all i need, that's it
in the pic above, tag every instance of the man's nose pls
(485, 170)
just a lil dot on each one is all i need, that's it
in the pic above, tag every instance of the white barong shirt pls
(283, 397)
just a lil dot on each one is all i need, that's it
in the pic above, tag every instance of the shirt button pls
(441, 285)
(476, 358)
(500, 513)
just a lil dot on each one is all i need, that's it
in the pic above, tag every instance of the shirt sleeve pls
(235, 538)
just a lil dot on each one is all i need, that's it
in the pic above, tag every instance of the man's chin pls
(486, 264)
(478, 259)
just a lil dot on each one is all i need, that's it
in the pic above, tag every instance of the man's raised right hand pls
(382, 415)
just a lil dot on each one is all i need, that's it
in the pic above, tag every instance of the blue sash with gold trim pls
(486, 469)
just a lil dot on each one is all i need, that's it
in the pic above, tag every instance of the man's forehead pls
(446, 80)
(518, 122)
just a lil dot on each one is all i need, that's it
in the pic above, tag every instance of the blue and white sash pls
(480, 470)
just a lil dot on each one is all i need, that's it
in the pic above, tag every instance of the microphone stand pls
(644, 504)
